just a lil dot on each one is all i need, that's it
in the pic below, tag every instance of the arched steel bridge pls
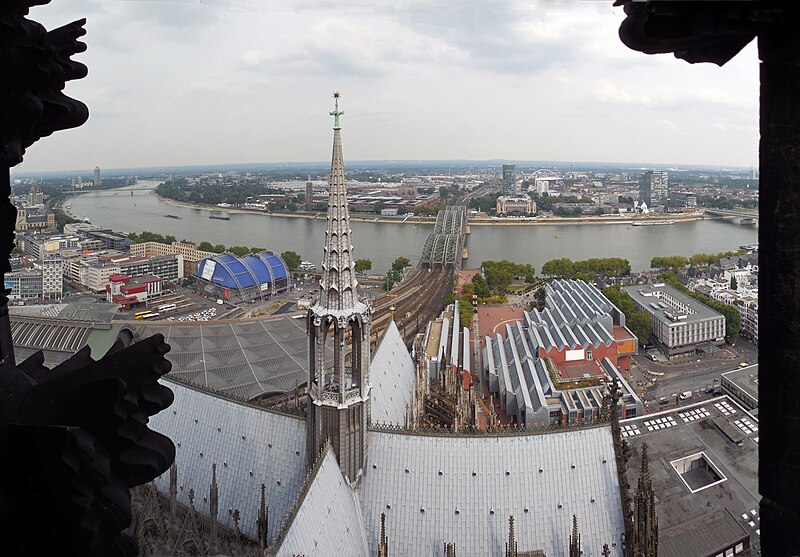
(444, 247)
(543, 174)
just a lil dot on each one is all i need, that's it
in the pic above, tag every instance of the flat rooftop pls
(745, 378)
(662, 299)
(698, 436)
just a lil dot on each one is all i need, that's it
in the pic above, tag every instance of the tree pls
(400, 263)
(219, 248)
(239, 251)
(673, 262)
(481, 287)
(640, 324)
(563, 268)
(205, 246)
(363, 265)
(734, 284)
(291, 259)
(379, 206)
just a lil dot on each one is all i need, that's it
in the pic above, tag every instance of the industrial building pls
(681, 324)
(241, 279)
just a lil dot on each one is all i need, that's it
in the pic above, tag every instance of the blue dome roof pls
(242, 272)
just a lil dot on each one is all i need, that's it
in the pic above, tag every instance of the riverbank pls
(473, 220)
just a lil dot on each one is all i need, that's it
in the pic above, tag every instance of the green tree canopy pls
(291, 259)
(363, 265)
(239, 251)
(400, 263)
(673, 262)
(481, 287)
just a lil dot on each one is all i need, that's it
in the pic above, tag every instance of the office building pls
(25, 284)
(682, 200)
(509, 178)
(654, 188)
(52, 266)
(681, 325)
(96, 180)
(191, 255)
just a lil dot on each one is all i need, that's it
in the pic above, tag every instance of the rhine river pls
(382, 242)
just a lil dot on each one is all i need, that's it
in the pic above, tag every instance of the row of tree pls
(587, 269)
(676, 262)
(639, 322)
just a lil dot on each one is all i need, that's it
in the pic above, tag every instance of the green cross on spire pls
(336, 112)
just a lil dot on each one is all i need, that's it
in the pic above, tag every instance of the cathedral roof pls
(393, 374)
(328, 520)
(462, 489)
(250, 447)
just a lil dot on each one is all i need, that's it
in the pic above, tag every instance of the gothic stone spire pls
(645, 526)
(575, 539)
(338, 284)
(339, 393)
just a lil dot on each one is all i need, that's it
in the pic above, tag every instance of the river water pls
(382, 242)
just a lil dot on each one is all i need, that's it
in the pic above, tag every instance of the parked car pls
(685, 395)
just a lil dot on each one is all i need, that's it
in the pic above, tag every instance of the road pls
(695, 376)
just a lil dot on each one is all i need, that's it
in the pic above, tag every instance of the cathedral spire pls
(338, 283)
(645, 522)
(338, 385)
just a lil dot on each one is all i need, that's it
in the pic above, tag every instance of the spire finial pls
(336, 112)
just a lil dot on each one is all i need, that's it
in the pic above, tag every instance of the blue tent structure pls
(252, 277)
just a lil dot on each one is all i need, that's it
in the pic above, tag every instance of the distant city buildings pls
(96, 180)
(515, 205)
(654, 188)
(510, 179)
(680, 200)
(191, 255)
(741, 272)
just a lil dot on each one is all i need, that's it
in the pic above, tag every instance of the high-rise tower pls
(339, 405)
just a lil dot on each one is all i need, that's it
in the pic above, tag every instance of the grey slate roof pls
(250, 446)
(328, 522)
(468, 487)
(246, 358)
(393, 375)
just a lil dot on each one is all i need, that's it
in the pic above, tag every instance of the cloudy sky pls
(178, 82)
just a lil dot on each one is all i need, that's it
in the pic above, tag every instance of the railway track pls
(414, 303)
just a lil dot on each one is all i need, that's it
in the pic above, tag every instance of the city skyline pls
(422, 81)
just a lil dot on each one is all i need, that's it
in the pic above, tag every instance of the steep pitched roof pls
(328, 521)
(393, 376)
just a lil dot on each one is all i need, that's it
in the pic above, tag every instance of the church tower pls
(339, 389)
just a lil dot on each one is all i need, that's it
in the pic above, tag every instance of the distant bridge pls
(444, 246)
(743, 216)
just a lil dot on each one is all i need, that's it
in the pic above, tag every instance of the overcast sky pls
(177, 82)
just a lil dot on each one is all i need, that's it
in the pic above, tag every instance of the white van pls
(685, 395)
